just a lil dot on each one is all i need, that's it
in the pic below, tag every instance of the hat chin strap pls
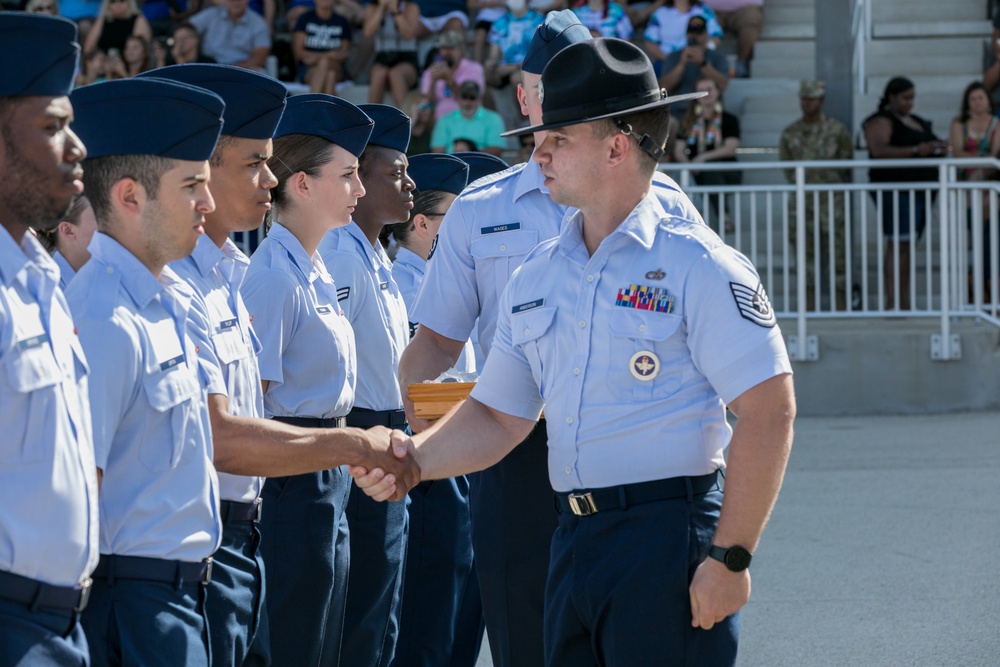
(645, 142)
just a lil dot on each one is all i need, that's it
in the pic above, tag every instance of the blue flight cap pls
(392, 126)
(331, 118)
(39, 55)
(481, 164)
(254, 102)
(437, 171)
(147, 116)
(559, 30)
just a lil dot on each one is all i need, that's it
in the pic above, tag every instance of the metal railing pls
(850, 268)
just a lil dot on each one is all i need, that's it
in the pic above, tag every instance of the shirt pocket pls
(642, 361)
(31, 376)
(172, 395)
(527, 331)
(230, 349)
(497, 255)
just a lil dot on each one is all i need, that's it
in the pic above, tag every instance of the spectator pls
(991, 76)
(117, 20)
(186, 47)
(526, 146)
(604, 18)
(817, 137)
(742, 18)
(232, 35)
(349, 9)
(894, 133)
(442, 16)
(321, 44)
(134, 60)
(710, 134)
(510, 37)
(470, 123)
(682, 69)
(670, 27)
(421, 123)
(163, 15)
(78, 10)
(394, 25)
(440, 81)
(486, 13)
(50, 7)
(92, 69)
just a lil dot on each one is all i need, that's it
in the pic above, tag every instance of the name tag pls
(383, 286)
(33, 342)
(509, 227)
(527, 306)
(170, 363)
(323, 310)
(226, 325)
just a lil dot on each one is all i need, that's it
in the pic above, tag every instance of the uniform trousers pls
(471, 625)
(306, 565)
(438, 567)
(512, 526)
(43, 637)
(234, 601)
(618, 591)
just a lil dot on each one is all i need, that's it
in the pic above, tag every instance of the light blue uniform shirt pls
(48, 478)
(66, 271)
(307, 345)
(635, 351)
(486, 234)
(408, 272)
(152, 437)
(372, 303)
(227, 348)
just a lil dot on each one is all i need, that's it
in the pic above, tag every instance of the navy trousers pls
(41, 638)
(299, 531)
(618, 588)
(234, 600)
(512, 524)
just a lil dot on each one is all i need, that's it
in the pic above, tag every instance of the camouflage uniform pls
(826, 139)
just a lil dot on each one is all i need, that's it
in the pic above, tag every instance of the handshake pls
(387, 467)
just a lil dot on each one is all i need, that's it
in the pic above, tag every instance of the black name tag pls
(170, 363)
(226, 325)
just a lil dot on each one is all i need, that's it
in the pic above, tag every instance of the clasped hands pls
(389, 468)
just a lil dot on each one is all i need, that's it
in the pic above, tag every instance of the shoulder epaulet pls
(490, 179)
(102, 296)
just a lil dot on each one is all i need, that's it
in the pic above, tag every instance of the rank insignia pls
(753, 304)
(658, 274)
(644, 366)
(643, 297)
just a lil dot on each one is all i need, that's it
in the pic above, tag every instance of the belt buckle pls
(208, 572)
(85, 587)
(259, 510)
(582, 504)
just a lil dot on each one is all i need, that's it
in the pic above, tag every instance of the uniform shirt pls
(485, 236)
(66, 272)
(826, 139)
(372, 303)
(307, 345)
(408, 272)
(152, 438)
(227, 346)
(635, 351)
(48, 480)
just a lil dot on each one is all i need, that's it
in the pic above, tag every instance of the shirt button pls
(583, 323)
(569, 471)
(576, 371)
(569, 420)
(110, 269)
(642, 327)
(527, 331)
(503, 247)
(590, 279)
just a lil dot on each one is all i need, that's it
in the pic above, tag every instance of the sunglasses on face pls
(468, 98)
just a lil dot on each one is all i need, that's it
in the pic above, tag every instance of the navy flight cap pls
(39, 55)
(147, 116)
(437, 171)
(480, 164)
(254, 102)
(331, 118)
(392, 126)
(559, 30)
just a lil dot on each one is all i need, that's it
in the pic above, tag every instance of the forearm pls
(427, 356)
(991, 77)
(670, 79)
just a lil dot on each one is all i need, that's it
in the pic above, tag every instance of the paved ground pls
(884, 548)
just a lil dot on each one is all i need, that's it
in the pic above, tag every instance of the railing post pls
(944, 225)
(800, 261)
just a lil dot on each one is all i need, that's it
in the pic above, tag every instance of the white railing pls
(951, 269)
(861, 33)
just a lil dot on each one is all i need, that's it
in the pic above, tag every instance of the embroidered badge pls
(753, 304)
(644, 366)
(527, 306)
(343, 293)
(434, 246)
(643, 297)
(509, 227)
(413, 328)
(656, 275)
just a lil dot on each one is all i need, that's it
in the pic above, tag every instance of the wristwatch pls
(735, 558)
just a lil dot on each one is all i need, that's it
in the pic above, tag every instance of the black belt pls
(592, 501)
(365, 418)
(314, 422)
(176, 572)
(240, 512)
(37, 594)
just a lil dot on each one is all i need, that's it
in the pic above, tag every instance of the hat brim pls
(541, 127)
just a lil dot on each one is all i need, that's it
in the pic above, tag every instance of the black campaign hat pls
(39, 55)
(254, 102)
(559, 30)
(331, 118)
(597, 79)
(480, 164)
(392, 126)
(437, 171)
(147, 116)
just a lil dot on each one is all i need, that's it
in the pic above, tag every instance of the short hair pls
(294, 153)
(224, 142)
(654, 123)
(368, 157)
(49, 238)
(423, 202)
(101, 173)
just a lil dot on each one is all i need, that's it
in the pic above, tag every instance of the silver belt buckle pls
(582, 504)
(84, 589)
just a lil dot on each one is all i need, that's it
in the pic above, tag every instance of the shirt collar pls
(206, 255)
(141, 285)
(14, 258)
(409, 258)
(529, 179)
(66, 272)
(375, 254)
(287, 240)
(641, 224)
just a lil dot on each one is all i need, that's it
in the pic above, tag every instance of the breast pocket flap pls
(530, 325)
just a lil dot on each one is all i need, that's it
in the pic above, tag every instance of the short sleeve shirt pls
(634, 351)
(611, 23)
(667, 27)
(444, 97)
(513, 35)
(483, 129)
(324, 34)
(228, 42)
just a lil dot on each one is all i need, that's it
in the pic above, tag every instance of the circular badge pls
(644, 366)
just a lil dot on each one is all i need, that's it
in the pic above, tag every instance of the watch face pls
(737, 559)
